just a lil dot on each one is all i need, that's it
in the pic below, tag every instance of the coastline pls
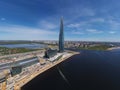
(113, 48)
(25, 80)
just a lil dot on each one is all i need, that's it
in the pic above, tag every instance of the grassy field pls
(6, 51)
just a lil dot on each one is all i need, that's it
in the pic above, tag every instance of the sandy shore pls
(113, 48)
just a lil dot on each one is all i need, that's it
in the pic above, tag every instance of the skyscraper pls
(61, 37)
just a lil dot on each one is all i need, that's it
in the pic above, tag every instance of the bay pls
(29, 46)
(89, 70)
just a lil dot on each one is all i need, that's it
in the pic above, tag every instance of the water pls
(29, 46)
(90, 70)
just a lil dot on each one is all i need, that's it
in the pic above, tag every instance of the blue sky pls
(84, 20)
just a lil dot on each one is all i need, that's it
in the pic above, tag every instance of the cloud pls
(86, 23)
(77, 32)
(78, 25)
(76, 12)
(97, 20)
(3, 19)
(23, 29)
(112, 32)
(113, 22)
(114, 25)
(87, 12)
(23, 32)
(94, 31)
(79, 11)
(47, 25)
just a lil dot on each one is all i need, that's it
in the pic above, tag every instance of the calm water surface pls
(89, 70)
(29, 46)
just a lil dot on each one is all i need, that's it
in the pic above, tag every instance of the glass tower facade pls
(61, 37)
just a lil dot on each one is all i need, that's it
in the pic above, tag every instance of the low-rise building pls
(50, 53)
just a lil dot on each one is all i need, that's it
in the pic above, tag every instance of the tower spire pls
(61, 36)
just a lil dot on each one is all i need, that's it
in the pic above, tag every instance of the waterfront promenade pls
(19, 83)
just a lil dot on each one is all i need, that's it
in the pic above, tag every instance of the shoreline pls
(113, 48)
(25, 80)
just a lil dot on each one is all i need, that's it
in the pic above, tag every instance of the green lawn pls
(5, 51)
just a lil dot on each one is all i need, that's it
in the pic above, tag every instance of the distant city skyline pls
(84, 20)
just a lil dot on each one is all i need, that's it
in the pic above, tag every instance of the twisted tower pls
(61, 36)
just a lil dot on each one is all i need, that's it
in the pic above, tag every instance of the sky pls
(84, 20)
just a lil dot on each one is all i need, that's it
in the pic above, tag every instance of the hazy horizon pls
(64, 40)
